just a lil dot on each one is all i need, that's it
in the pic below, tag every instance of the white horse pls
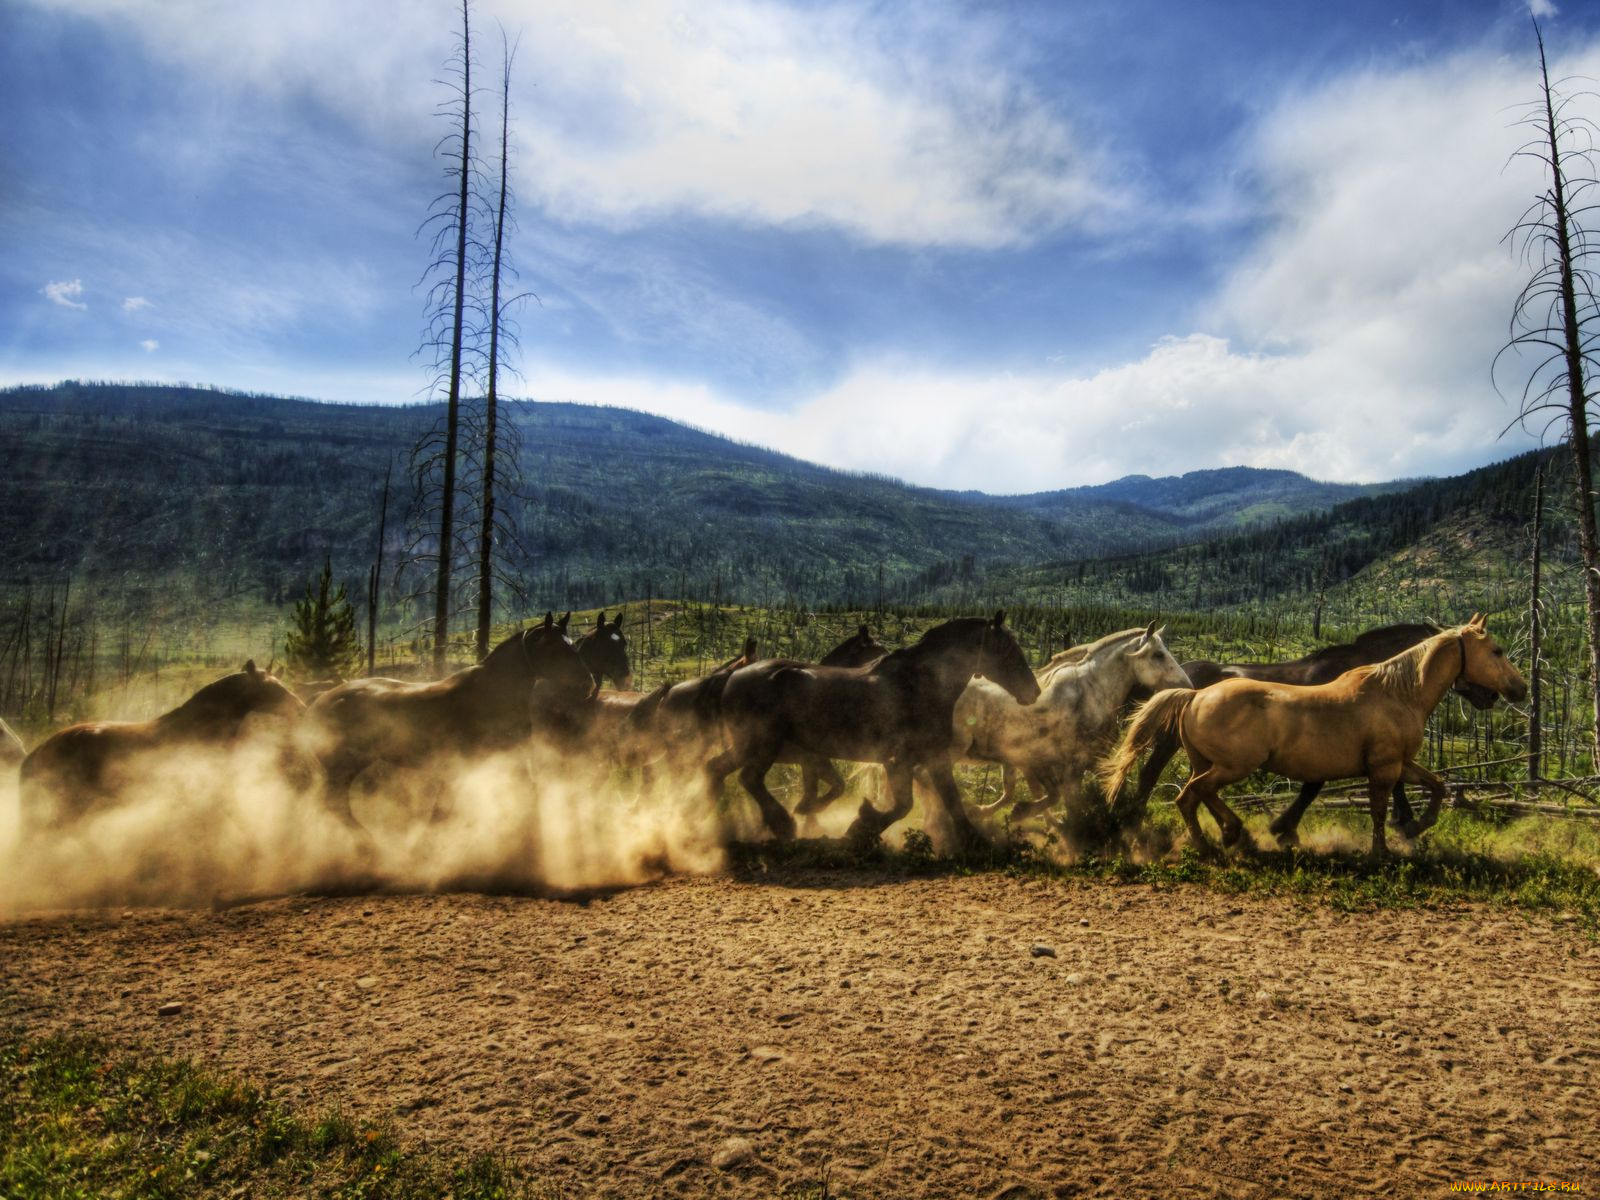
(1054, 740)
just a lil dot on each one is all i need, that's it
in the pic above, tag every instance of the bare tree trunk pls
(1535, 635)
(441, 602)
(1577, 402)
(491, 398)
(375, 578)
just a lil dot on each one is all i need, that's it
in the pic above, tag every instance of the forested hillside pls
(237, 494)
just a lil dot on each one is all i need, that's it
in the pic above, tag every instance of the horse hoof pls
(1288, 839)
(1412, 830)
(1231, 836)
(862, 834)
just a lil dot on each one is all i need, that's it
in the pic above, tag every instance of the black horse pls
(895, 710)
(604, 650)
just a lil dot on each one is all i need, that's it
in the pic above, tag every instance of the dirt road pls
(942, 1037)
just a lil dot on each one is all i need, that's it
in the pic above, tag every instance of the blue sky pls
(1009, 246)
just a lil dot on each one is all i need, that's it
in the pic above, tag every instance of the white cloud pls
(64, 292)
(133, 304)
(747, 110)
(1540, 9)
(149, 345)
(1353, 342)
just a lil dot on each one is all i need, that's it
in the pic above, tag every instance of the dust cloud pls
(220, 826)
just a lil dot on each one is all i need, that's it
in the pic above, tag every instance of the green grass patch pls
(83, 1120)
(1531, 864)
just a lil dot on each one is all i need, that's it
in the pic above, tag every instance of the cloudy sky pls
(1002, 245)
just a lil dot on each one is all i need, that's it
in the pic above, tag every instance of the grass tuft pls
(81, 1118)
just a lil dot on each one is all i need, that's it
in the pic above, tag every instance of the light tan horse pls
(1368, 722)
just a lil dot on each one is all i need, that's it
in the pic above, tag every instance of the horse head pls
(1001, 661)
(1153, 666)
(1485, 665)
(604, 651)
(856, 651)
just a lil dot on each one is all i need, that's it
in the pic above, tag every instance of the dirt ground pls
(943, 1037)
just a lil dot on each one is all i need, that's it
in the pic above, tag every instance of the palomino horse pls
(487, 707)
(1054, 740)
(76, 769)
(604, 651)
(1320, 666)
(1367, 722)
(894, 711)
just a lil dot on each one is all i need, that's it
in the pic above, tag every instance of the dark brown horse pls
(895, 711)
(855, 651)
(479, 709)
(1320, 666)
(80, 767)
(604, 650)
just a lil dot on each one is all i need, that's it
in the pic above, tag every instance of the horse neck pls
(202, 715)
(1096, 687)
(947, 666)
(1433, 666)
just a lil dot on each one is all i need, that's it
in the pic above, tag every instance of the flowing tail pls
(1156, 716)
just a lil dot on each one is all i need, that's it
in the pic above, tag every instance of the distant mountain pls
(245, 494)
(1227, 496)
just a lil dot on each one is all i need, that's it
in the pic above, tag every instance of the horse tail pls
(1156, 717)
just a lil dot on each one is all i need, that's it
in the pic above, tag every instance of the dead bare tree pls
(1556, 319)
(497, 325)
(434, 459)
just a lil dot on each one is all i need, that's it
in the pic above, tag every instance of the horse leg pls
(1132, 812)
(754, 777)
(1417, 773)
(967, 837)
(870, 821)
(1380, 782)
(814, 799)
(1188, 803)
(1008, 791)
(1042, 783)
(1285, 826)
(1402, 814)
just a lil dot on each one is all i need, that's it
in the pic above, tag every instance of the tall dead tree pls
(448, 331)
(491, 403)
(1556, 319)
(1536, 633)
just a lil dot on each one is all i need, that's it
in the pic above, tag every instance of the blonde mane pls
(1082, 653)
(1402, 674)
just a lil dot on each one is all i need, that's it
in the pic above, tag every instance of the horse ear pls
(1478, 620)
(750, 647)
(251, 669)
(864, 631)
(616, 621)
(999, 617)
(549, 619)
(600, 621)
(1149, 632)
(562, 624)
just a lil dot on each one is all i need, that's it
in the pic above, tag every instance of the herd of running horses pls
(963, 692)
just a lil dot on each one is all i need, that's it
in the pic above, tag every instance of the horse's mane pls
(1403, 672)
(220, 696)
(1366, 639)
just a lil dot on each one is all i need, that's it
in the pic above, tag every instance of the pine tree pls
(323, 641)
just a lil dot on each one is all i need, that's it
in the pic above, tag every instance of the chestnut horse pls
(895, 710)
(78, 768)
(1322, 665)
(1367, 722)
(479, 709)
